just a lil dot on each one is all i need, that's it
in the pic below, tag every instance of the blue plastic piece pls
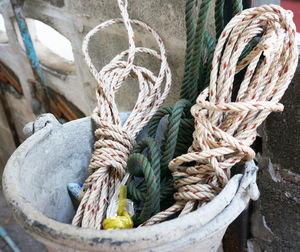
(76, 190)
(8, 240)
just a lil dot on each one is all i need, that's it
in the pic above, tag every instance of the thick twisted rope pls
(115, 141)
(219, 17)
(190, 83)
(224, 130)
(141, 166)
(178, 135)
(190, 42)
(151, 165)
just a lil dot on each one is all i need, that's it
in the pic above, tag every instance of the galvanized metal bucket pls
(34, 184)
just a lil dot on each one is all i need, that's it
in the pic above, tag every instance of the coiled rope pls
(224, 130)
(115, 141)
(178, 136)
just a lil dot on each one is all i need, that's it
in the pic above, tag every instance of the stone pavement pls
(24, 241)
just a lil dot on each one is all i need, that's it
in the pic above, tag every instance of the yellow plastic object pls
(123, 220)
(122, 199)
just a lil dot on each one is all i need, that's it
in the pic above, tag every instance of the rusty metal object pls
(65, 109)
(8, 115)
(8, 78)
(61, 108)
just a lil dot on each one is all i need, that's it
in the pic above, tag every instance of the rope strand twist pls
(224, 130)
(115, 141)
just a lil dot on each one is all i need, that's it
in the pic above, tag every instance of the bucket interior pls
(55, 160)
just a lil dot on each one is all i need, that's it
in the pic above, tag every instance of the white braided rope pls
(111, 150)
(224, 130)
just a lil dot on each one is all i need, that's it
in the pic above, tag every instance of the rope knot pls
(116, 140)
(262, 41)
(214, 152)
(112, 149)
(217, 146)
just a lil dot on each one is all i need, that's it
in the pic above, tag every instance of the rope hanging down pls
(115, 141)
(224, 130)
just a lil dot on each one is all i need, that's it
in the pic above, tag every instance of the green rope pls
(249, 47)
(196, 65)
(237, 6)
(172, 132)
(149, 164)
(148, 191)
(190, 36)
(219, 17)
(204, 78)
(153, 124)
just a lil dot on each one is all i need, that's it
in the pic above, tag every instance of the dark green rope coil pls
(150, 184)
(148, 168)
(190, 35)
(219, 17)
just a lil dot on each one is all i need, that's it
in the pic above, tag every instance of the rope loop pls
(148, 191)
(226, 124)
(115, 141)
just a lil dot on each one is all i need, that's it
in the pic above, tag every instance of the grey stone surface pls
(166, 17)
(57, 3)
(21, 113)
(275, 222)
(23, 240)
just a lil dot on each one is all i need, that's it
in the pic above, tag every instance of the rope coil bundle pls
(115, 141)
(224, 130)
(178, 135)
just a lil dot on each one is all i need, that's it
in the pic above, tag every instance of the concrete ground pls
(23, 240)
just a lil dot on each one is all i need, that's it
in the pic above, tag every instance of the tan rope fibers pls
(224, 130)
(111, 151)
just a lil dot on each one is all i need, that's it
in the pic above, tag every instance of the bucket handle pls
(41, 122)
(248, 182)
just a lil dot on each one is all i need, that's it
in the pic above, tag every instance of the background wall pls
(72, 79)
(73, 19)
